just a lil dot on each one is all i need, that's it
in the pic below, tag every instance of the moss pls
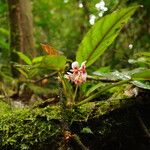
(4, 108)
(26, 128)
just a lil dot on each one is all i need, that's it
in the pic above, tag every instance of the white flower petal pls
(97, 6)
(83, 63)
(105, 9)
(92, 19)
(102, 4)
(69, 73)
(130, 46)
(80, 5)
(75, 65)
(65, 1)
(101, 14)
(84, 76)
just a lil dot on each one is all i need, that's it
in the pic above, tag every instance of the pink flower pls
(77, 74)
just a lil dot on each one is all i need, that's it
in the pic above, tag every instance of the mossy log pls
(41, 128)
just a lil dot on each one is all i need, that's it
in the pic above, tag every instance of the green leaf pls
(142, 84)
(93, 88)
(4, 31)
(37, 59)
(22, 72)
(142, 61)
(54, 62)
(102, 34)
(33, 72)
(24, 57)
(4, 44)
(104, 69)
(6, 77)
(143, 54)
(86, 130)
(143, 75)
(67, 88)
(137, 73)
(38, 89)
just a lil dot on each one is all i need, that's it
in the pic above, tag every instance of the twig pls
(45, 77)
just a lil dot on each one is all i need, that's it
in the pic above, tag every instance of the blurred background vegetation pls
(63, 23)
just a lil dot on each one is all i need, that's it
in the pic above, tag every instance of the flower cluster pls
(101, 6)
(77, 74)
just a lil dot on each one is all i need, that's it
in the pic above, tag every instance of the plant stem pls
(63, 83)
(75, 93)
(101, 91)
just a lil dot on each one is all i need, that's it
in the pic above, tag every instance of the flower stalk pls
(75, 93)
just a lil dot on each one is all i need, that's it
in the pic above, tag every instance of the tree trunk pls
(27, 26)
(21, 29)
(15, 28)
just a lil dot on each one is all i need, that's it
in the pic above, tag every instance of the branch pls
(45, 77)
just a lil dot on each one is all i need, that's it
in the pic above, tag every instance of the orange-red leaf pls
(50, 50)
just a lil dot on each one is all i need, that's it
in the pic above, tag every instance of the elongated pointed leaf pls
(25, 58)
(135, 75)
(142, 84)
(143, 75)
(102, 34)
(93, 88)
(37, 59)
(22, 72)
(146, 54)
